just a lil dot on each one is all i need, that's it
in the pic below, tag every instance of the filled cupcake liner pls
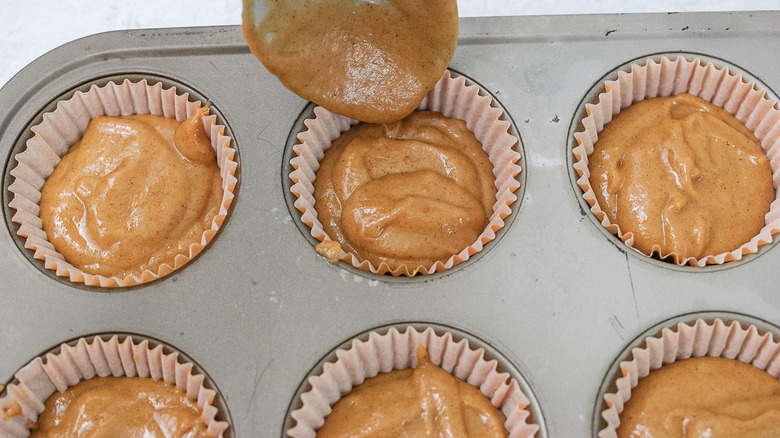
(66, 125)
(394, 350)
(684, 341)
(39, 379)
(664, 78)
(453, 98)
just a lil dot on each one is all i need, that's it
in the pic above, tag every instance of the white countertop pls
(33, 27)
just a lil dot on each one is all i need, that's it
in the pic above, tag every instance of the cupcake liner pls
(669, 78)
(453, 98)
(684, 341)
(39, 379)
(67, 124)
(382, 353)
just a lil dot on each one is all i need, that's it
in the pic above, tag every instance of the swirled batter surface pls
(133, 193)
(682, 174)
(370, 60)
(422, 402)
(131, 407)
(409, 193)
(707, 397)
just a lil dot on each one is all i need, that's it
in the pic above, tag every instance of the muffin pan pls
(554, 296)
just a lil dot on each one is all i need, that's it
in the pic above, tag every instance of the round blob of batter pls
(703, 397)
(408, 193)
(372, 61)
(683, 176)
(422, 402)
(120, 407)
(132, 194)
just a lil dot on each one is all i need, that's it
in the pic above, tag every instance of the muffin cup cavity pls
(393, 350)
(97, 357)
(64, 126)
(698, 338)
(452, 97)
(744, 100)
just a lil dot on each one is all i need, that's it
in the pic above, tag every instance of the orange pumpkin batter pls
(133, 193)
(422, 402)
(683, 176)
(410, 193)
(131, 407)
(709, 397)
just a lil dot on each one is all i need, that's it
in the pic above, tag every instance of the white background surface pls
(30, 28)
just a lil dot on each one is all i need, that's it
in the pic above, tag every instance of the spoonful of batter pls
(373, 61)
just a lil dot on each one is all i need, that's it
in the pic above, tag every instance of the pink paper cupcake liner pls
(719, 86)
(64, 126)
(453, 98)
(687, 340)
(40, 378)
(393, 350)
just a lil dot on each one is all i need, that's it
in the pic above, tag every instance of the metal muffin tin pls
(258, 309)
